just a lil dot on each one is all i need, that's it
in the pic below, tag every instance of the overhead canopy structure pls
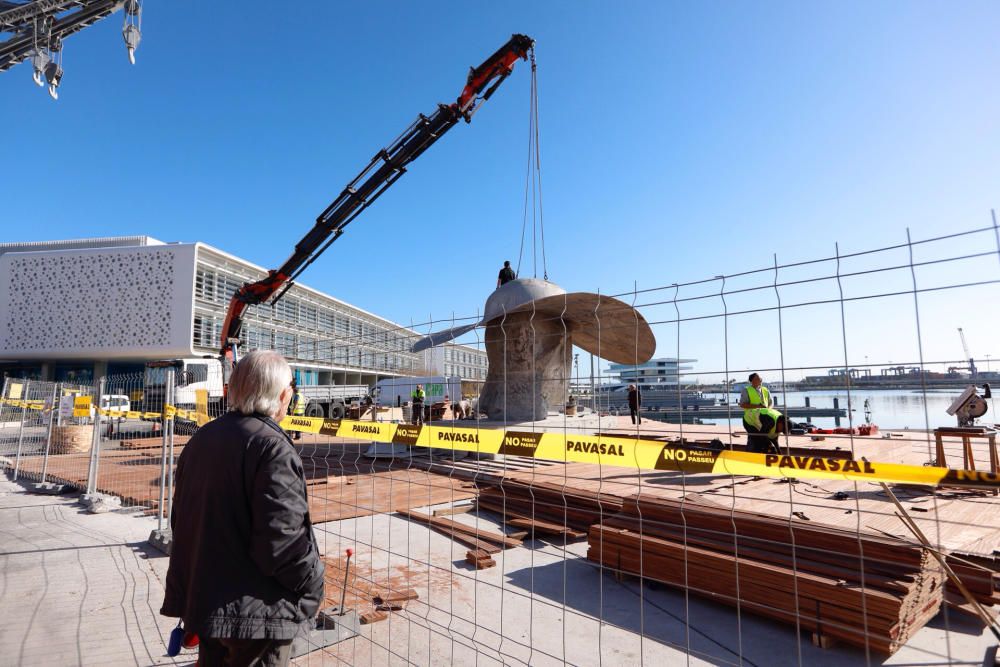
(36, 29)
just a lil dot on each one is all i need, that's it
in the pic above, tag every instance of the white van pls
(116, 404)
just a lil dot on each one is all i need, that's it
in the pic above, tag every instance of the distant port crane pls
(973, 371)
(36, 29)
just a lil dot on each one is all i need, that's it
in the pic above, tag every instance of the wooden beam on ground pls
(455, 509)
(473, 531)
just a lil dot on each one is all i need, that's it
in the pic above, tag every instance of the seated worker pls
(762, 423)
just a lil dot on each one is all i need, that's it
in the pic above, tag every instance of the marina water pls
(890, 408)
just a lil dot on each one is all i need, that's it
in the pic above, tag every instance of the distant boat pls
(658, 379)
(615, 396)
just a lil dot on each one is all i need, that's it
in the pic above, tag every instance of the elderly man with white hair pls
(245, 573)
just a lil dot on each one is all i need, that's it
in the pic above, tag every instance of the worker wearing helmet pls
(417, 400)
(762, 422)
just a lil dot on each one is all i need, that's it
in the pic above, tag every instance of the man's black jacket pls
(634, 398)
(244, 562)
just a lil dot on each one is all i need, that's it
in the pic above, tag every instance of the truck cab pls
(190, 377)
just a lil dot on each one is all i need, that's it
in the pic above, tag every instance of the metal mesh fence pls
(542, 517)
(134, 452)
(42, 437)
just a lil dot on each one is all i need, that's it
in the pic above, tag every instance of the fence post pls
(167, 391)
(95, 447)
(169, 427)
(160, 537)
(3, 408)
(20, 432)
(53, 415)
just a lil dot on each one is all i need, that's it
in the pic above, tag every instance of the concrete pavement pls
(77, 588)
(83, 589)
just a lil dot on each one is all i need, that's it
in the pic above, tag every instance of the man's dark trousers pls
(244, 652)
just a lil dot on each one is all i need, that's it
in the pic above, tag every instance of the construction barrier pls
(640, 454)
(634, 453)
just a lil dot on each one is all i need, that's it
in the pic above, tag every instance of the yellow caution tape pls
(28, 405)
(636, 453)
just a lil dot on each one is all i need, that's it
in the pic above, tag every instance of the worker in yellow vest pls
(417, 397)
(297, 407)
(762, 422)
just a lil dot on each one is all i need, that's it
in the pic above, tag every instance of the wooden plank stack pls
(858, 588)
(978, 579)
(152, 443)
(547, 507)
(479, 559)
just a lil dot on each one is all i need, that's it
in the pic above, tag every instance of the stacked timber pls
(979, 580)
(862, 589)
(546, 507)
(479, 559)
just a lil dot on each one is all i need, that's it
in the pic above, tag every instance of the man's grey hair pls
(257, 383)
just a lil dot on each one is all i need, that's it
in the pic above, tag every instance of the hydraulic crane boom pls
(388, 165)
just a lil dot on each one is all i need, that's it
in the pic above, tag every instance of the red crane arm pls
(387, 166)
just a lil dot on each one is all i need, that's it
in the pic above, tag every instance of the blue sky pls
(679, 142)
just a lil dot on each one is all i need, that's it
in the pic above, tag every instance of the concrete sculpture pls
(531, 328)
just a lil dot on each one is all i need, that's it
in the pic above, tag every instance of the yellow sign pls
(81, 406)
(201, 406)
(14, 390)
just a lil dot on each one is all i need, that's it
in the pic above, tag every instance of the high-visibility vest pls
(763, 397)
(418, 395)
(774, 415)
(298, 405)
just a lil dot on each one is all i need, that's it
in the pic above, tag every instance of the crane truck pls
(384, 169)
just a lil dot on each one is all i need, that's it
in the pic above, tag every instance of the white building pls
(73, 309)
(659, 373)
(450, 359)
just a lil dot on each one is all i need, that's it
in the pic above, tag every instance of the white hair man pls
(245, 572)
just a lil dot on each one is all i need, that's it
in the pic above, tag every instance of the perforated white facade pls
(126, 303)
(68, 305)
